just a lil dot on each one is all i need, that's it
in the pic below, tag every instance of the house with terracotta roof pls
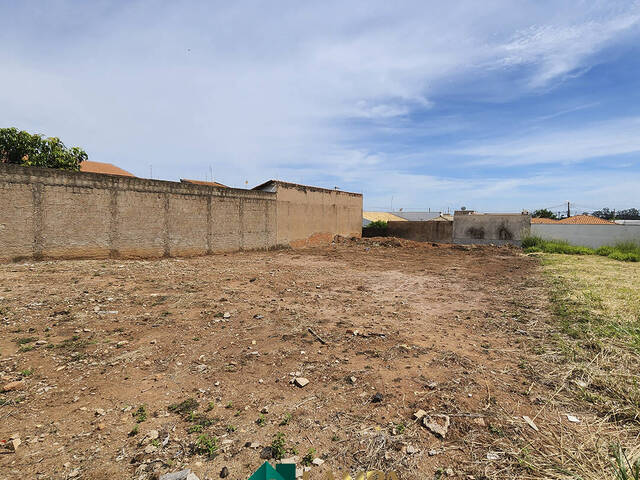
(585, 220)
(89, 166)
(368, 217)
(574, 220)
(202, 182)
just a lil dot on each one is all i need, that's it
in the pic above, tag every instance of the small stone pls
(266, 453)
(433, 453)
(479, 421)
(226, 315)
(301, 382)
(13, 444)
(419, 414)
(264, 410)
(224, 472)
(317, 461)
(493, 456)
(96, 308)
(17, 385)
(41, 342)
(449, 471)
(121, 343)
(432, 385)
(377, 398)
(351, 380)
(74, 473)
(99, 412)
(101, 426)
(150, 449)
(411, 449)
(573, 419)
(437, 424)
(216, 384)
(181, 475)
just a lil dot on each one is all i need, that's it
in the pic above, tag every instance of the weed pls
(26, 372)
(399, 428)
(261, 421)
(308, 458)
(134, 431)
(195, 429)
(140, 414)
(206, 445)
(286, 419)
(231, 428)
(278, 449)
(25, 340)
(623, 467)
(624, 252)
(229, 405)
(186, 407)
(155, 442)
(26, 348)
(210, 406)
(335, 438)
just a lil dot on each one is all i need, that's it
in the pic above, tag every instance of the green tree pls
(33, 150)
(544, 213)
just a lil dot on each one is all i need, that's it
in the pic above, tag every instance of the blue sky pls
(495, 105)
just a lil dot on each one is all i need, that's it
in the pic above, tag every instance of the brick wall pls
(58, 214)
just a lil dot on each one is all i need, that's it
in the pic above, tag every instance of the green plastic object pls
(287, 470)
(267, 472)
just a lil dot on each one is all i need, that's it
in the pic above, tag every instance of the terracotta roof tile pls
(202, 182)
(543, 220)
(103, 168)
(586, 220)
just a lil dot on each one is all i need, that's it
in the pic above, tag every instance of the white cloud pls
(273, 89)
(568, 145)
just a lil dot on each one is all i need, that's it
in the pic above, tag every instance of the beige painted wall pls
(58, 214)
(312, 216)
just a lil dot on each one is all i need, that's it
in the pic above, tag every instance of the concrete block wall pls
(59, 214)
(419, 231)
(313, 216)
(494, 228)
(593, 236)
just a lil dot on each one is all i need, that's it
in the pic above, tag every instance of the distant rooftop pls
(103, 168)
(202, 182)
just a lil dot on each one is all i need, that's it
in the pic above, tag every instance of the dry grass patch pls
(595, 358)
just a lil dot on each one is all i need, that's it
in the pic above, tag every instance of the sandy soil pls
(436, 328)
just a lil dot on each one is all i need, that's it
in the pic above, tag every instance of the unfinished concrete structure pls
(60, 214)
(420, 231)
(490, 228)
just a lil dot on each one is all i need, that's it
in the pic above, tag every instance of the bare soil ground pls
(438, 328)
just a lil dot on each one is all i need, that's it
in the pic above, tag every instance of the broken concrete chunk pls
(419, 414)
(301, 382)
(317, 461)
(181, 475)
(573, 419)
(437, 424)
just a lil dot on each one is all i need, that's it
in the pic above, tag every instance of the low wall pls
(490, 228)
(593, 236)
(438, 232)
(312, 216)
(49, 213)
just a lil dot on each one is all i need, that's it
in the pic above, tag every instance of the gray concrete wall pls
(419, 231)
(593, 236)
(49, 213)
(490, 228)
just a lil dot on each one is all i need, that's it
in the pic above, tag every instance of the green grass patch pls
(623, 252)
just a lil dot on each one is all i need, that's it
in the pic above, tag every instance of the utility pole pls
(568, 209)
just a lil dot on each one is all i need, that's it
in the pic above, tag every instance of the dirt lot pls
(405, 327)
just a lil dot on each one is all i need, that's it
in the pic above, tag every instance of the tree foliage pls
(628, 214)
(33, 150)
(544, 213)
